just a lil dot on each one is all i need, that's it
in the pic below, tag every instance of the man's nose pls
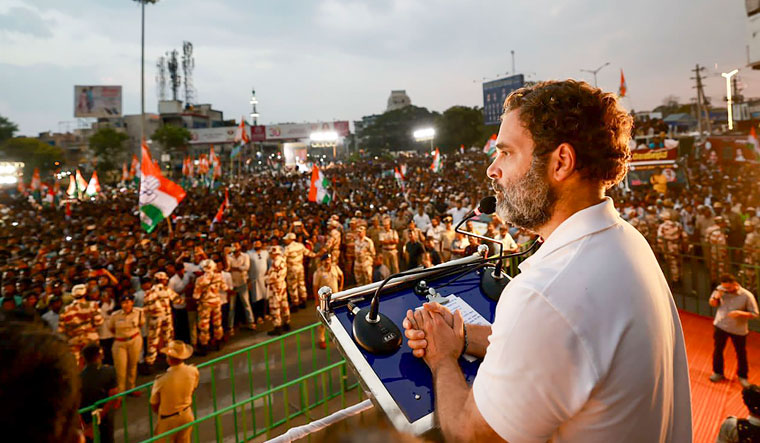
(493, 172)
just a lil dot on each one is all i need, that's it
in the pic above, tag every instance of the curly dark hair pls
(574, 112)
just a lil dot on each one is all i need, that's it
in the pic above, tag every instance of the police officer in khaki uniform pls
(332, 246)
(349, 239)
(79, 322)
(172, 394)
(126, 324)
(717, 248)
(671, 240)
(278, 292)
(331, 276)
(389, 241)
(157, 305)
(364, 251)
(295, 276)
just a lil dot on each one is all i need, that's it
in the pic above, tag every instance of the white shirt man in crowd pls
(421, 219)
(458, 212)
(239, 263)
(564, 360)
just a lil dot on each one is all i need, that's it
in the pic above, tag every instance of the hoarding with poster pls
(728, 149)
(289, 131)
(97, 101)
(646, 163)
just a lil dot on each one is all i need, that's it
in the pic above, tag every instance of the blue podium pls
(401, 384)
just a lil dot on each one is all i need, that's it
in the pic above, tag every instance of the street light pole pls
(595, 71)
(142, 74)
(729, 97)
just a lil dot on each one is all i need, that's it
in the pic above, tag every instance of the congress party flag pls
(93, 188)
(124, 173)
(159, 196)
(318, 190)
(72, 189)
(223, 207)
(490, 147)
(436, 165)
(754, 142)
(623, 86)
(81, 182)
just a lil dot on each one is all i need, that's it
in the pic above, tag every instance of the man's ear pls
(562, 163)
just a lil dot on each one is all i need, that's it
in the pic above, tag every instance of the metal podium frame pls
(368, 379)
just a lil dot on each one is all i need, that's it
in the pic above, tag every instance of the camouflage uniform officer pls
(332, 246)
(751, 255)
(652, 221)
(640, 226)
(349, 239)
(157, 307)
(79, 322)
(389, 242)
(670, 241)
(277, 294)
(716, 243)
(295, 279)
(208, 290)
(326, 275)
(365, 254)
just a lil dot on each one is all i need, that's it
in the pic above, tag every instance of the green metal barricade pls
(250, 391)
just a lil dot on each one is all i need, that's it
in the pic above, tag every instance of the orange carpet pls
(713, 402)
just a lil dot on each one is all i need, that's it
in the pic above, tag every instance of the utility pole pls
(513, 62)
(702, 111)
(142, 74)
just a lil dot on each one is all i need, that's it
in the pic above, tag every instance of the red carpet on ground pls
(713, 402)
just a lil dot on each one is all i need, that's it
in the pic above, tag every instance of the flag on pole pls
(93, 188)
(223, 207)
(399, 178)
(190, 165)
(158, 195)
(461, 149)
(36, 183)
(203, 165)
(318, 190)
(754, 142)
(436, 165)
(72, 189)
(236, 150)
(49, 199)
(403, 170)
(20, 187)
(184, 167)
(81, 183)
(134, 168)
(623, 86)
(490, 147)
(124, 173)
(241, 135)
(215, 163)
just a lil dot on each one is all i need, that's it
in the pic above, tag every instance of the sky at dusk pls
(325, 60)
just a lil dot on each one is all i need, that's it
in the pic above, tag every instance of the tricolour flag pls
(185, 171)
(134, 168)
(241, 135)
(223, 207)
(490, 147)
(236, 150)
(215, 163)
(623, 87)
(754, 142)
(124, 173)
(203, 165)
(36, 182)
(72, 189)
(318, 190)
(436, 165)
(81, 182)
(461, 149)
(399, 178)
(158, 195)
(49, 198)
(402, 169)
(93, 188)
(190, 165)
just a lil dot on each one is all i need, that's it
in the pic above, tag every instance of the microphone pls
(491, 283)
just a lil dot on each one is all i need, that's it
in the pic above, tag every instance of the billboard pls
(287, 131)
(97, 101)
(494, 94)
(224, 134)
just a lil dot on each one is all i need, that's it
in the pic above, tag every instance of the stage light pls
(324, 136)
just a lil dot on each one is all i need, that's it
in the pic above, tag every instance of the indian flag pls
(318, 190)
(158, 195)
(72, 189)
(436, 165)
(81, 183)
(93, 188)
(754, 143)
(490, 147)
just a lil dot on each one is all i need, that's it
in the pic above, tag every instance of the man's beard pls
(528, 201)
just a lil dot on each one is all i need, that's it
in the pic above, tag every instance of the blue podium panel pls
(405, 377)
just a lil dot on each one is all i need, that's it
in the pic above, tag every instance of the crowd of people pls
(89, 272)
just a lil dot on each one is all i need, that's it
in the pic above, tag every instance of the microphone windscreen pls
(487, 205)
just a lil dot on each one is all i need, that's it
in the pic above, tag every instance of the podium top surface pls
(407, 378)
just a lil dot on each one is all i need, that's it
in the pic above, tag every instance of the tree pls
(34, 154)
(172, 138)
(393, 130)
(108, 146)
(7, 129)
(459, 125)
